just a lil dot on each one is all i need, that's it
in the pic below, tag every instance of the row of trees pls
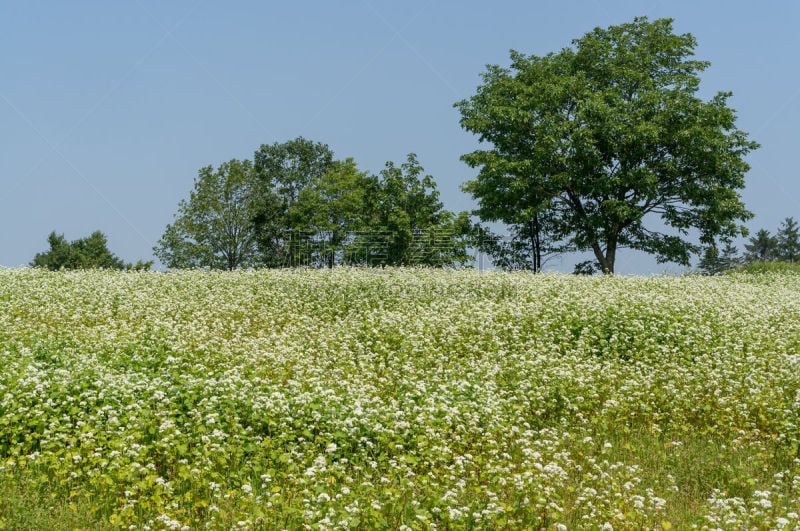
(508, 253)
(601, 146)
(294, 204)
(586, 149)
(763, 246)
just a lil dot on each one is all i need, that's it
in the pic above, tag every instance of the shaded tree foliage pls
(85, 253)
(407, 223)
(762, 246)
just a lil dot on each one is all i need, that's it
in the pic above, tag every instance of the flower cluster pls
(411, 399)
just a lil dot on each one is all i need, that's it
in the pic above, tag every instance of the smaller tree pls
(714, 261)
(59, 256)
(761, 247)
(789, 240)
(86, 253)
(408, 224)
(215, 227)
(331, 208)
(283, 171)
(729, 257)
(711, 261)
(587, 268)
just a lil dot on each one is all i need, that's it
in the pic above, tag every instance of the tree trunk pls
(605, 259)
(536, 245)
(610, 258)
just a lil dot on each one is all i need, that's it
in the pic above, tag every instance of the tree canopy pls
(406, 221)
(609, 140)
(297, 206)
(84, 253)
(283, 171)
(214, 228)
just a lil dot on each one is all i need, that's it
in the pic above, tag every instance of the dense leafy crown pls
(606, 134)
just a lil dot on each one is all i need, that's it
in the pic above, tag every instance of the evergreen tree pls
(711, 261)
(761, 247)
(789, 240)
(729, 257)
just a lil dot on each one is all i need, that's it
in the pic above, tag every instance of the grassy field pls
(398, 399)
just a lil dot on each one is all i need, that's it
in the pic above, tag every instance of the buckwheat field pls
(398, 399)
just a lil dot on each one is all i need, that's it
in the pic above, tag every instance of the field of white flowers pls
(407, 399)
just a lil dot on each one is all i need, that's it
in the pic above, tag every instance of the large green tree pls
(609, 139)
(214, 228)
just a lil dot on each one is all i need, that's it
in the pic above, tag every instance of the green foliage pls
(605, 135)
(26, 504)
(761, 247)
(85, 253)
(407, 224)
(140, 265)
(788, 241)
(214, 228)
(283, 171)
(768, 267)
(586, 267)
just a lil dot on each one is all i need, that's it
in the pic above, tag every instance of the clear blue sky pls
(108, 109)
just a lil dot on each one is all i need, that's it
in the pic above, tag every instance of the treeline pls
(784, 246)
(294, 204)
(601, 146)
(85, 253)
